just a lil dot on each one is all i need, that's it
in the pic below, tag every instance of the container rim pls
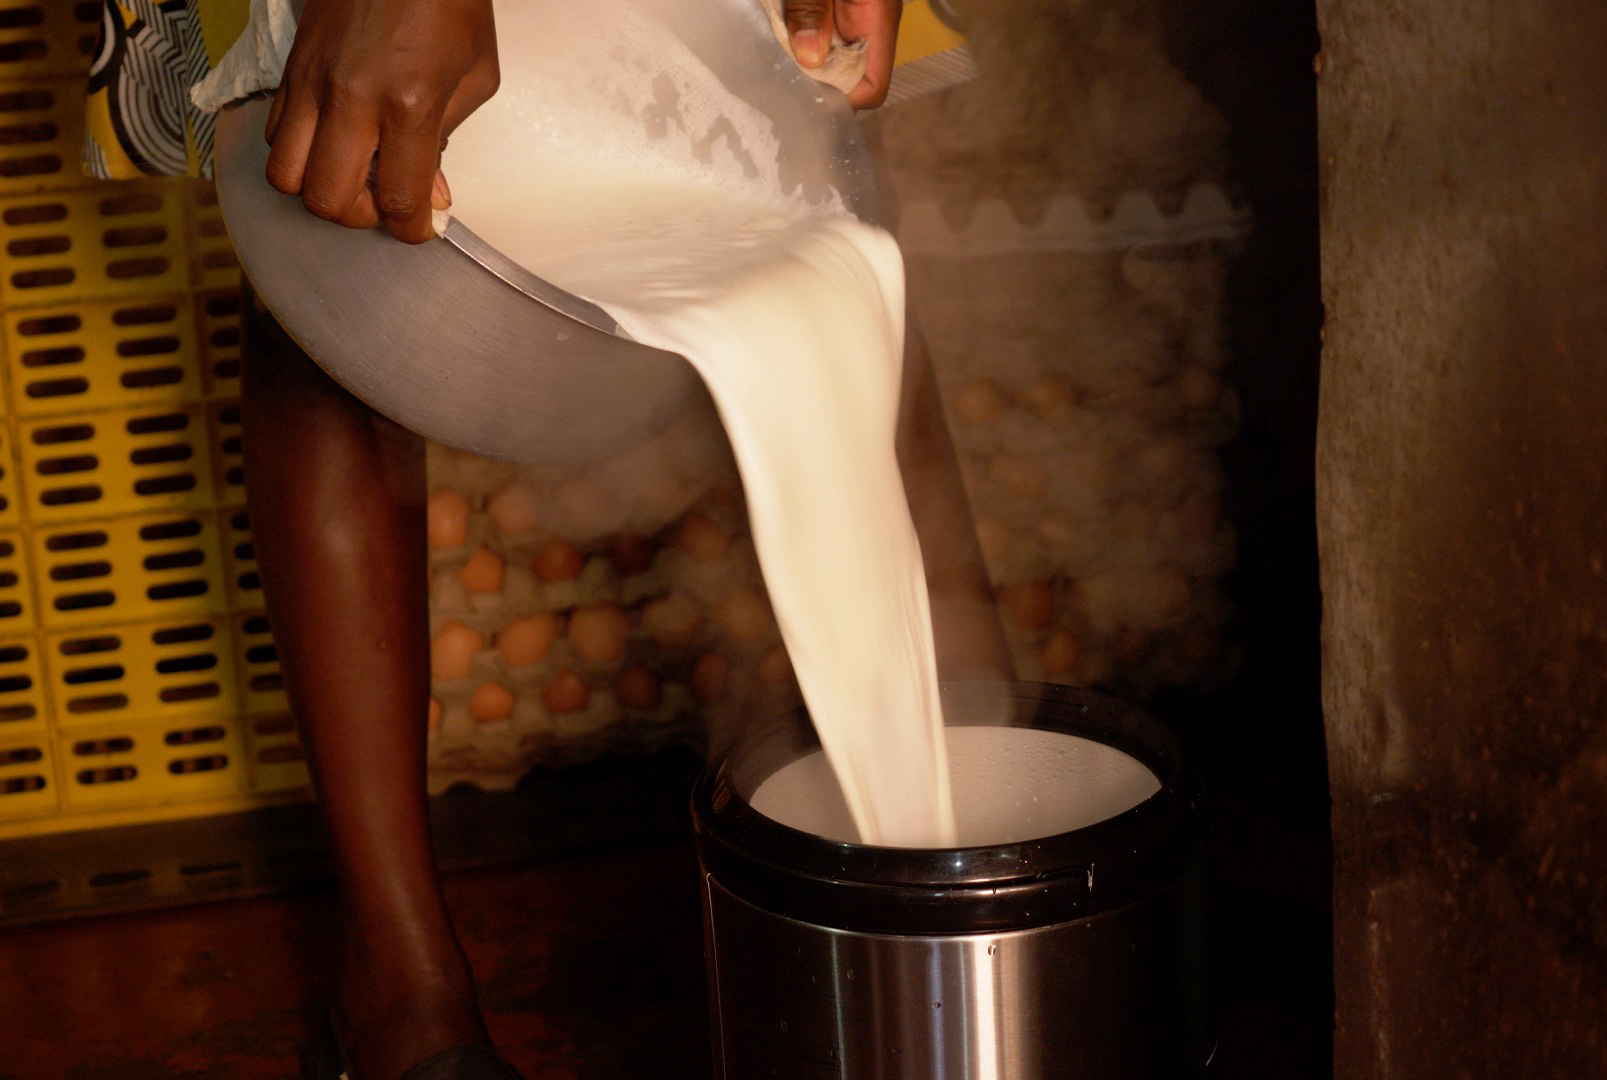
(1023, 883)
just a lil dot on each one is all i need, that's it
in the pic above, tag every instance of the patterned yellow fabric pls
(138, 117)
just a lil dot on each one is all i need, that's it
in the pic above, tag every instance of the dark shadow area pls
(1259, 742)
(609, 805)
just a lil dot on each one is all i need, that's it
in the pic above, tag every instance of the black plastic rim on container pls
(1003, 887)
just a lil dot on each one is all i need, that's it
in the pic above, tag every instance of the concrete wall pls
(1462, 517)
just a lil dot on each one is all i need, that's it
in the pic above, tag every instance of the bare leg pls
(965, 621)
(337, 517)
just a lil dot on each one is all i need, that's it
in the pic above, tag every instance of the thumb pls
(809, 25)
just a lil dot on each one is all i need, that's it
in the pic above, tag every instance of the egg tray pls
(1085, 395)
(660, 633)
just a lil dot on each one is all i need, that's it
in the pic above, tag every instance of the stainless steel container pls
(1070, 956)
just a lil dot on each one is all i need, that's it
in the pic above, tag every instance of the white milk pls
(1010, 784)
(639, 182)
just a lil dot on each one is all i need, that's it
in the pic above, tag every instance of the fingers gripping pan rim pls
(431, 340)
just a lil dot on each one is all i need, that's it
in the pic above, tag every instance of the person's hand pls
(370, 92)
(875, 22)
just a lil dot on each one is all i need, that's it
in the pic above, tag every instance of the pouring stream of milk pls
(648, 192)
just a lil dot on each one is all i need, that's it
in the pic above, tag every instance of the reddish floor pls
(590, 968)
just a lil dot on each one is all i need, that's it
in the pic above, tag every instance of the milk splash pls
(656, 193)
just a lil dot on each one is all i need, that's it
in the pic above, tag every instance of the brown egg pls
(433, 715)
(491, 703)
(776, 667)
(452, 651)
(672, 620)
(1199, 388)
(525, 641)
(483, 572)
(583, 509)
(745, 615)
(631, 554)
(447, 514)
(598, 633)
(1019, 475)
(1050, 395)
(979, 401)
(638, 689)
(1030, 605)
(515, 510)
(711, 676)
(1059, 654)
(702, 539)
(567, 692)
(558, 560)
(1164, 462)
(1057, 532)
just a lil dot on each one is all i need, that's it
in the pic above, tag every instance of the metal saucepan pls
(441, 341)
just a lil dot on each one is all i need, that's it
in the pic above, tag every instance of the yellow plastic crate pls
(142, 672)
(46, 37)
(16, 597)
(216, 265)
(229, 482)
(27, 778)
(149, 567)
(178, 760)
(112, 240)
(262, 687)
(217, 314)
(41, 130)
(10, 506)
(112, 463)
(23, 707)
(137, 351)
(277, 761)
(138, 679)
(240, 562)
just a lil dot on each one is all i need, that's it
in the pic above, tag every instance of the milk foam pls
(641, 183)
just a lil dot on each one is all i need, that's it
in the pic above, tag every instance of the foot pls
(396, 1015)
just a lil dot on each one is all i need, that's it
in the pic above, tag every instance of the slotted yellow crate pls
(173, 761)
(240, 559)
(16, 600)
(109, 241)
(110, 463)
(217, 267)
(10, 510)
(217, 313)
(138, 678)
(142, 671)
(46, 37)
(161, 566)
(41, 127)
(277, 760)
(28, 788)
(22, 692)
(82, 356)
(224, 421)
(262, 688)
